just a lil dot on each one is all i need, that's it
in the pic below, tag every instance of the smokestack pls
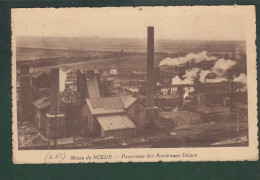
(54, 92)
(150, 68)
(25, 93)
(152, 112)
(56, 120)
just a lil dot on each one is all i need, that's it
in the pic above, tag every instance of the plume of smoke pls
(242, 78)
(177, 80)
(219, 70)
(222, 65)
(187, 91)
(215, 80)
(192, 74)
(215, 74)
(196, 58)
(203, 74)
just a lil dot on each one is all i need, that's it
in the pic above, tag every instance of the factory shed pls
(40, 108)
(119, 126)
(125, 111)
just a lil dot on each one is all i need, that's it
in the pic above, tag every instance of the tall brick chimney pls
(54, 92)
(56, 120)
(152, 112)
(150, 68)
(25, 93)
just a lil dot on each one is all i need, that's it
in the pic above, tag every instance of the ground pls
(29, 136)
(189, 131)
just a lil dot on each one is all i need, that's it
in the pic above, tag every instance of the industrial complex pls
(108, 108)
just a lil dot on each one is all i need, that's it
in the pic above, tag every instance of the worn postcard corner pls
(143, 84)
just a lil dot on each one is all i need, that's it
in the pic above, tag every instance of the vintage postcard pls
(139, 84)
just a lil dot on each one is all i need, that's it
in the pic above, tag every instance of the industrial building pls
(123, 108)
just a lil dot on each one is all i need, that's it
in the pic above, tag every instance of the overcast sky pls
(205, 23)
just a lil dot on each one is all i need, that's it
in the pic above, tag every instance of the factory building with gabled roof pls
(119, 117)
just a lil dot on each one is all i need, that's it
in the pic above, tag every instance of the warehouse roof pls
(42, 102)
(105, 105)
(108, 105)
(93, 88)
(114, 122)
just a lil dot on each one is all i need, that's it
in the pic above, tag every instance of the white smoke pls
(191, 57)
(177, 80)
(222, 65)
(218, 70)
(191, 74)
(242, 78)
(217, 73)
(188, 80)
(187, 91)
(216, 80)
(203, 74)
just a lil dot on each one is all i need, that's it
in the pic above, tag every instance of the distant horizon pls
(137, 38)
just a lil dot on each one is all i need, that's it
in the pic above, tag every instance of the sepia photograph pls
(141, 84)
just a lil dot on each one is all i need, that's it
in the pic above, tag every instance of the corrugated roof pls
(108, 105)
(127, 101)
(93, 88)
(114, 122)
(105, 105)
(42, 102)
